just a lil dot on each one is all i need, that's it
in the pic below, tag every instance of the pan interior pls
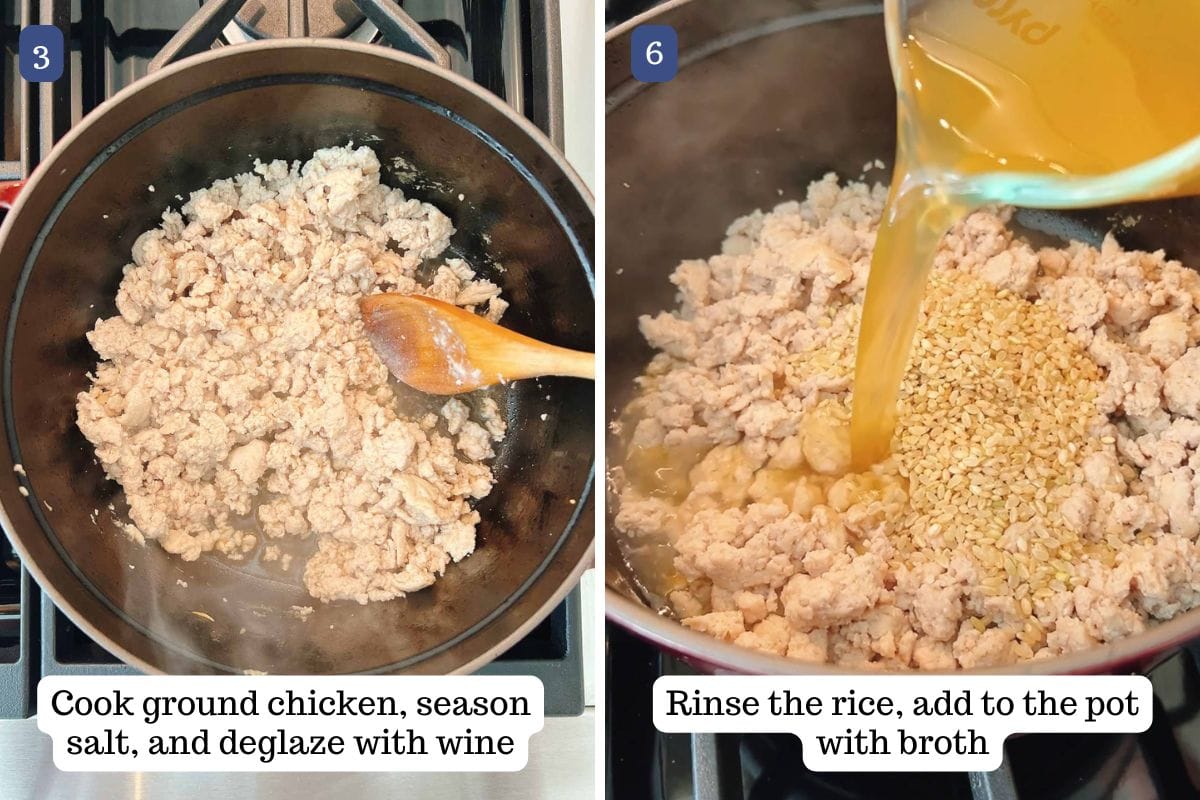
(767, 100)
(218, 615)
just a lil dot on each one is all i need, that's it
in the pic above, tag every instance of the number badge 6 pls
(41, 53)
(655, 53)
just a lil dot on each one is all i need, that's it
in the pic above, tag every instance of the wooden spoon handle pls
(574, 364)
(538, 358)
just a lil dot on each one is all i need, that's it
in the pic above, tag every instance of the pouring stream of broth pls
(1059, 104)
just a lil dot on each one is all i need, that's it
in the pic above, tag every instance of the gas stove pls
(510, 47)
(1161, 764)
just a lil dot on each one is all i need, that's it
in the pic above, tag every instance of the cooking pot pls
(526, 223)
(770, 95)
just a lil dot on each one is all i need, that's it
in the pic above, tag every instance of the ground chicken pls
(1043, 495)
(237, 397)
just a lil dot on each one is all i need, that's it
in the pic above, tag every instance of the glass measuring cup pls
(1052, 105)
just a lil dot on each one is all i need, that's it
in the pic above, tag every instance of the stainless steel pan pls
(62, 248)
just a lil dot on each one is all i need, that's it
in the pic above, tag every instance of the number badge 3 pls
(41, 53)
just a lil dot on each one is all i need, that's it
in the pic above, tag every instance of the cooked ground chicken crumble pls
(237, 394)
(1043, 491)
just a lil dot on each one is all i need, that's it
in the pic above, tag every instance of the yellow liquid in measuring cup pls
(998, 95)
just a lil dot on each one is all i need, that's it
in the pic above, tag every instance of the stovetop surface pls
(1161, 764)
(509, 47)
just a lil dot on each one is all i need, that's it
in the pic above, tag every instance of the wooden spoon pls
(440, 348)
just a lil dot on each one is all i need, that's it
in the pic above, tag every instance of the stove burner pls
(272, 19)
(1162, 763)
(1070, 766)
(770, 771)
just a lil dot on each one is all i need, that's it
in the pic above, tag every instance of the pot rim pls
(1130, 654)
(648, 14)
(47, 165)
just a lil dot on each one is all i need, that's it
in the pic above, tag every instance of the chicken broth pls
(806, 471)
